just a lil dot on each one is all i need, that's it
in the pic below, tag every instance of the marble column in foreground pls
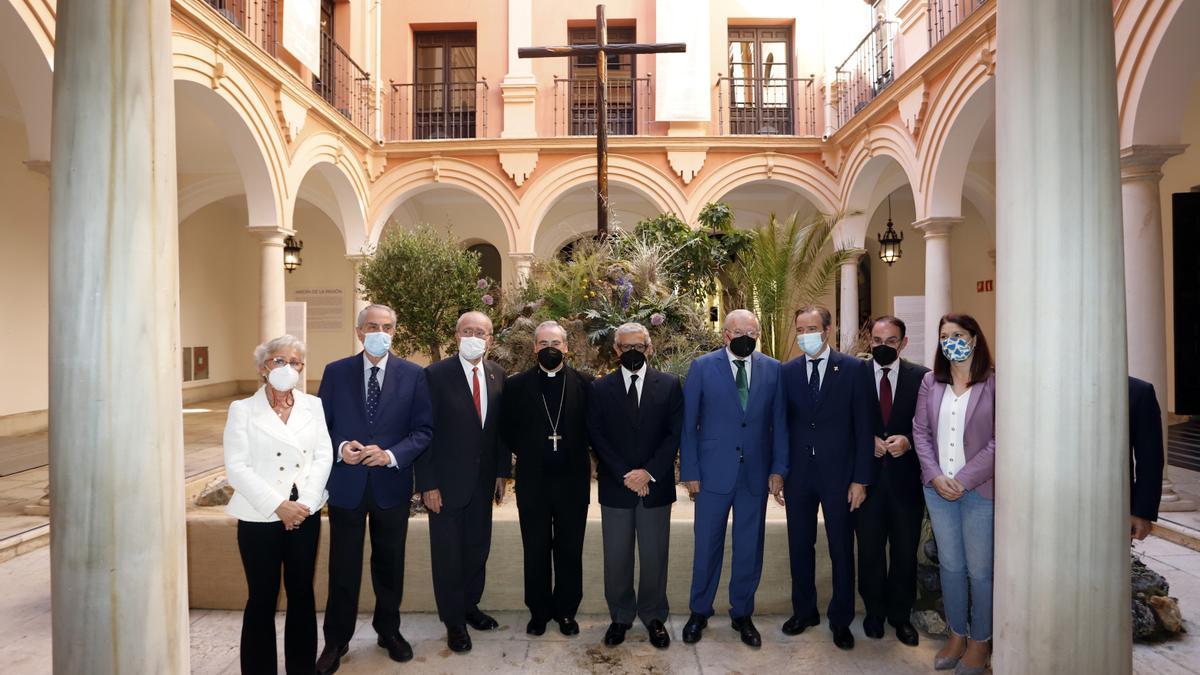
(848, 303)
(272, 296)
(1145, 292)
(938, 301)
(117, 556)
(1062, 455)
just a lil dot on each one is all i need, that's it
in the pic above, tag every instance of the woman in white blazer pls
(277, 458)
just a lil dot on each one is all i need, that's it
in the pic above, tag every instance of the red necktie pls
(475, 392)
(885, 396)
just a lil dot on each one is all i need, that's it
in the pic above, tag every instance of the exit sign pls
(983, 286)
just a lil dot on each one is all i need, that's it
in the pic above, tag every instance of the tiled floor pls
(25, 623)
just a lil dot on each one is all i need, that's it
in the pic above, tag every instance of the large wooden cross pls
(601, 50)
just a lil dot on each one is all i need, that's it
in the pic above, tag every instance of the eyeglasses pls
(372, 327)
(474, 332)
(637, 347)
(748, 333)
(279, 362)
(891, 342)
(542, 344)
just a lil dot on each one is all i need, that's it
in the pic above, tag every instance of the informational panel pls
(911, 310)
(294, 319)
(682, 82)
(302, 32)
(326, 308)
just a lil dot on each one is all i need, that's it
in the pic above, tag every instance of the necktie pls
(743, 384)
(885, 397)
(372, 394)
(475, 392)
(814, 380)
(632, 394)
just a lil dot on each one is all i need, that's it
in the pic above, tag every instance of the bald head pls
(742, 319)
(477, 320)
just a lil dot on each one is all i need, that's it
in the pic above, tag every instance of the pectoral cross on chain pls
(554, 438)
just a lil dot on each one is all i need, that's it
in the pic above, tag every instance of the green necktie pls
(743, 385)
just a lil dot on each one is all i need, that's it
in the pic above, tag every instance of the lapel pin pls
(835, 369)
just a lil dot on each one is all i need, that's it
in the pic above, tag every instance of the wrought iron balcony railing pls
(627, 103)
(945, 15)
(345, 86)
(437, 110)
(869, 69)
(780, 106)
(258, 19)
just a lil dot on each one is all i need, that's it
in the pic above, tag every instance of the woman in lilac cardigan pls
(955, 433)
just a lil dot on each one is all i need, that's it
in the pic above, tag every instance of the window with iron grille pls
(444, 89)
(622, 89)
(760, 80)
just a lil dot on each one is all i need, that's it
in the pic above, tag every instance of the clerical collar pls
(550, 373)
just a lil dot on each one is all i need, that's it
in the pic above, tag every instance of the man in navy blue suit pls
(1145, 457)
(733, 437)
(380, 418)
(830, 419)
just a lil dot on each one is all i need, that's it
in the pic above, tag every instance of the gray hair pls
(266, 349)
(458, 324)
(632, 327)
(550, 324)
(362, 316)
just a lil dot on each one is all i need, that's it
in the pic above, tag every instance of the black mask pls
(884, 355)
(633, 360)
(742, 346)
(549, 358)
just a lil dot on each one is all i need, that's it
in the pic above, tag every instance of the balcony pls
(345, 86)
(258, 19)
(945, 15)
(627, 103)
(869, 69)
(767, 106)
(437, 110)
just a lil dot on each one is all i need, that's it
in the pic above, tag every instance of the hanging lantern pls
(291, 253)
(889, 241)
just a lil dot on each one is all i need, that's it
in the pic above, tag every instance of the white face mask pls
(472, 348)
(283, 379)
(810, 343)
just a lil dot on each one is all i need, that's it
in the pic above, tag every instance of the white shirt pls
(893, 375)
(952, 422)
(367, 366)
(733, 366)
(821, 365)
(467, 368)
(626, 374)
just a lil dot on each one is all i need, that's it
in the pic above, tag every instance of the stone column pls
(272, 283)
(848, 303)
(523, 263)
(938, 299)
(1145, 293)
(360, 301)
(1062, 455)
(118, 570)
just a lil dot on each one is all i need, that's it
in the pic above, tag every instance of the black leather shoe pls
(907, 634)
(659, 637)
(458, 639)
(694, 628)
(535, 627)
(615, 634)
(873, 626)
(397, 647)
(798, 624)
(480, 621)
(842, 637)
(331, 658)
(567, 626)
(745, 627)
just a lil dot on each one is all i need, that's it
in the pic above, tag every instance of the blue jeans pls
(963, 530)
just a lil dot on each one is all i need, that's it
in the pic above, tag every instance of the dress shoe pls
(615, 634)
(798, 624)
(873, 626)
(458, 639)
(331, 658)
(659, 637)
(694, 628)
(397, 647)
(842, 637)
(480, 621)
(535, 627)
(567, 626)
(907, 634)
(745, 627)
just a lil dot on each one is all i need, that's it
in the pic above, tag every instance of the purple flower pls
(488, 299)
(626, 294)
(657, 319)
(481, 284)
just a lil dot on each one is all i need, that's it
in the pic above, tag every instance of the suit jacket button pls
(812, 425)
(281, 468)
(743, 425)
(279, 454)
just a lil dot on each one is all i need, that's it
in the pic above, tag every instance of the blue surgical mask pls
(377, 344)
(957, 349)
(810, 343)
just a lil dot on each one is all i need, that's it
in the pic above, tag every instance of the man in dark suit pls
(545, 425)
(462, 473)
(829, 418)
(889, 522)
(733, 436)
(380, 420)
(635, 415)
(1145, 457)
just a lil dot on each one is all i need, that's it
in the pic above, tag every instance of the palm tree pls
(785, 268)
